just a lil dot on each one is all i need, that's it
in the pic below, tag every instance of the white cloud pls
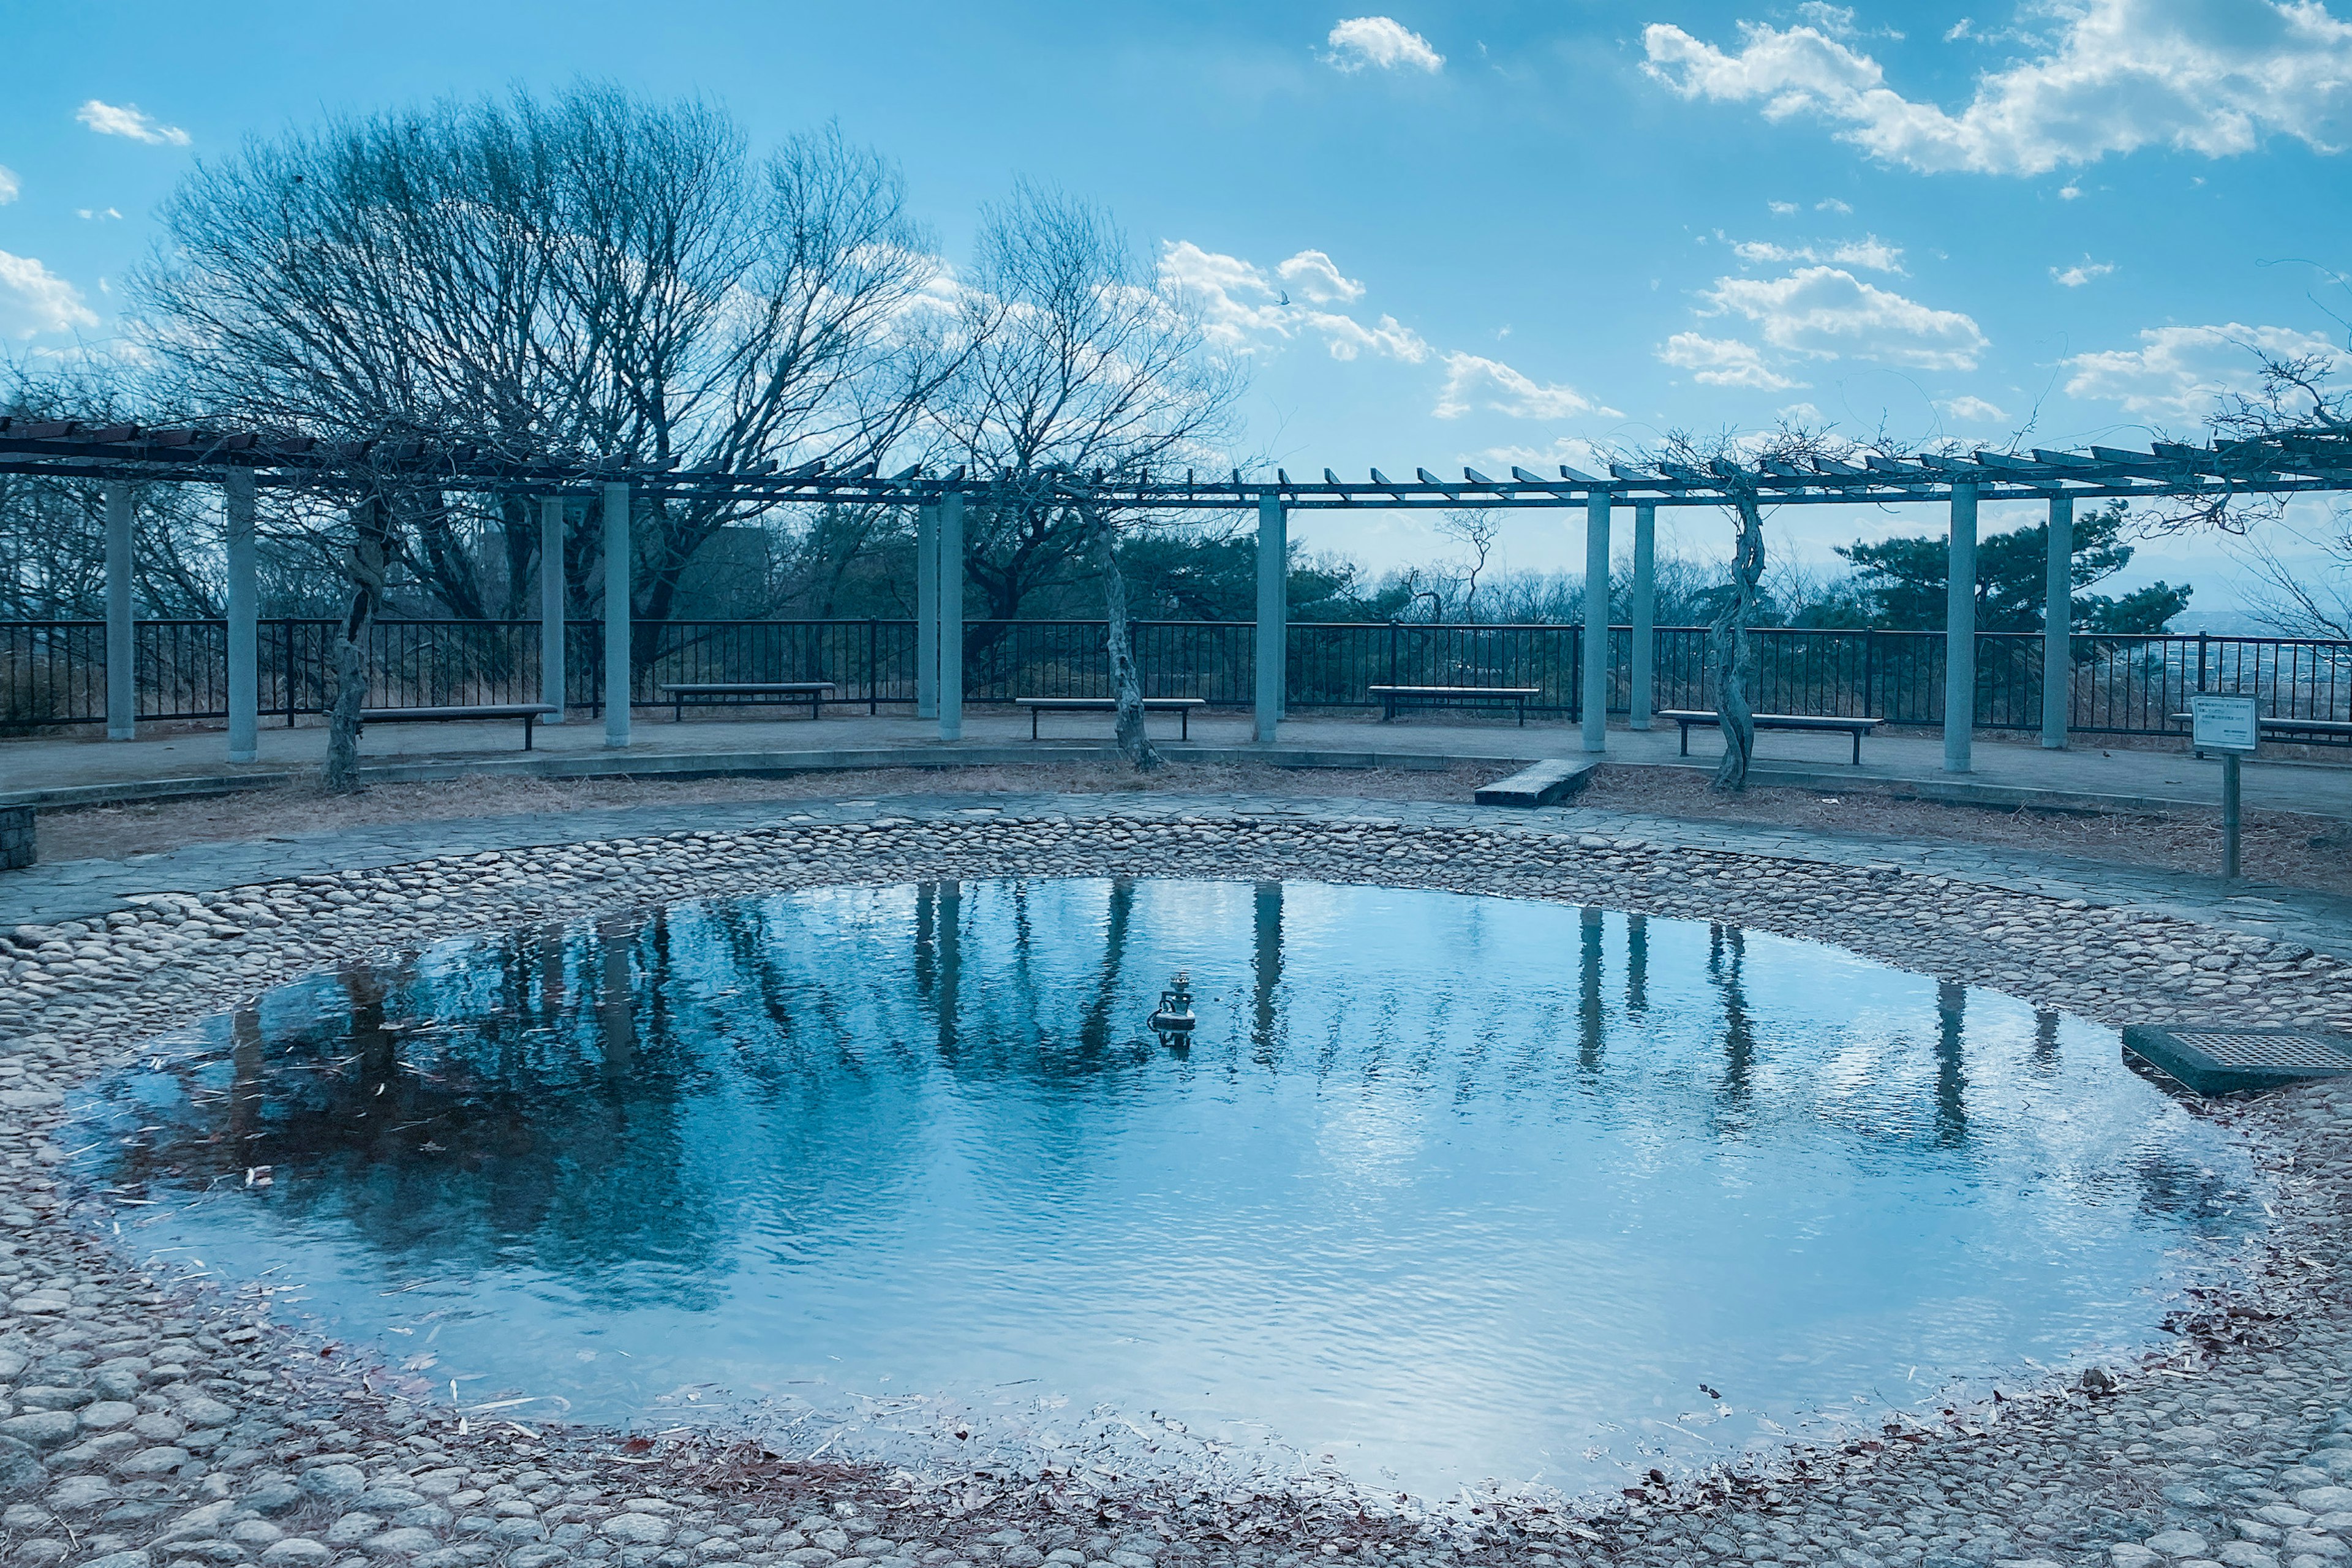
(1781, 209)
(9, 186)
(2076, 276)
(107, 120)
(1383, 42)
(1722, 361)
(2212, 77)
(2179, 372)
(1239, 306)
(1831, 205)
(1318, 278)
(1970, 410)
(1476, 383)
(1827, 312)
(96, 214)
(1869, 251)
(33, 299)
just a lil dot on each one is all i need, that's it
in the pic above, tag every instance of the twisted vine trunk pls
(365, 568)
(1125, 685)
(1731, 651)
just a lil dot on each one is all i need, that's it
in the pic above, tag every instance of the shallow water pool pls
(1446, 1187)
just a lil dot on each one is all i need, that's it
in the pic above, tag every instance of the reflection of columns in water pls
(926, 975)
(552, 950)
(950, 961)
(1637, 964)
(2045, 1039)
(245, 1085)
(1266, 966)
(615, 1007)
(1728, 965)
(378, 1052)
(1093, 1033)
(1590, 1032)
(1951, 1066)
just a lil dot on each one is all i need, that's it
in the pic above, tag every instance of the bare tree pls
(584, 278)
(1476, 529)
(1733, 465)
(2300, 408)
(1077, 365)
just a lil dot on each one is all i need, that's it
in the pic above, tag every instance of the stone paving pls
(2007, 766)
(147, 1428)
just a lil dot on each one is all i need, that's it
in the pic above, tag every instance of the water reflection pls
(1452, 1186)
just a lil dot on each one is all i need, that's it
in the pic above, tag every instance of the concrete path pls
(57, 773)
(43, 894)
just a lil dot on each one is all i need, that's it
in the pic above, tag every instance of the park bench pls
(704, 693)
(531, 713)
(2307, 732)
(1179, 705)
(1445, 696)
(1857, 728)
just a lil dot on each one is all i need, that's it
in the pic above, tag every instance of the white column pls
(1646, 611)
(1596, 621)
(1271, 657)
(1960, 634)
(617, 616)
(552, 606)
(244, 609)
(2057, 625)
(121, 661)
(926, 612)
(950, 661)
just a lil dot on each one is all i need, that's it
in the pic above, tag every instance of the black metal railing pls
(54, 672)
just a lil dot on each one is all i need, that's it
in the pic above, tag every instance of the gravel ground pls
(150, 1423)
(2280, 847)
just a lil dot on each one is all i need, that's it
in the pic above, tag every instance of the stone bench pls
(704, 692)
(1857, 728)
(531, 713)
(1453, 697)
(1179, 705)
(15, 837)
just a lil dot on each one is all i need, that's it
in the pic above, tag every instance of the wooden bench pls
(725, 692)
(531, 713)
(1041, 705)
(1474, 696)
(2307, 731)
(1857, 728)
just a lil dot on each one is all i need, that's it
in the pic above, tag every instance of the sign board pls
(2219, 722)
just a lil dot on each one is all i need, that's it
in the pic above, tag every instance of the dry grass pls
(2279, 848)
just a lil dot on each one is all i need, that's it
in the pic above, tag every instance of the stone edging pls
(200, 1418)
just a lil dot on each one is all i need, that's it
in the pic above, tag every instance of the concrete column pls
(121, 661)
(551, 606)
(244, 608)
(950, 590)
(1960, 634)
(616, 614)
(1596, 621)
(1272, 654)
(926, 612)
(2057, 625)
(1646, 611)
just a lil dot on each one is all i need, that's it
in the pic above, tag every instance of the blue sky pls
(1505, 231)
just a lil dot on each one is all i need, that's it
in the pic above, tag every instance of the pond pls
(1444, 1187)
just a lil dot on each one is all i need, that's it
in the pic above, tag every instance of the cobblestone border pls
(157, 1429)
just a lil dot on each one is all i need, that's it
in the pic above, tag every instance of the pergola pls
(242, 462)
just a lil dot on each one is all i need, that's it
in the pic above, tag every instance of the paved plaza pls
(2006, 772)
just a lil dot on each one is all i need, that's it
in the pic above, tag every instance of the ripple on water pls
(1446, 1187)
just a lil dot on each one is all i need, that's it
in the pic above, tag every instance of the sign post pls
(2231, 726)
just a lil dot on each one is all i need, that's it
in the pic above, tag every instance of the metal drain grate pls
(2227, 1061)
(2281, 1050)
